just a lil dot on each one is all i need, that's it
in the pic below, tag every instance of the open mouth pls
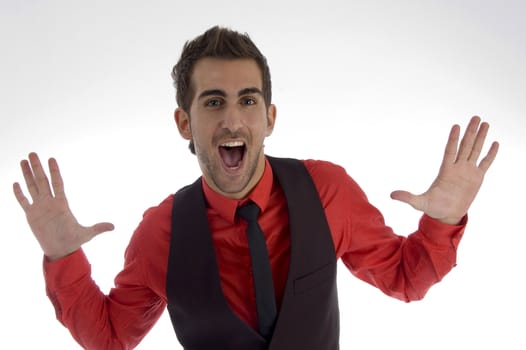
(232, 153)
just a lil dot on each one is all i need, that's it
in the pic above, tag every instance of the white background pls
(374, 86)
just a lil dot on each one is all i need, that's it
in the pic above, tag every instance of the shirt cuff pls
(66, 271)
(441, 234)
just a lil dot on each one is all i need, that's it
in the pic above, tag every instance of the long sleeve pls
(402, 266)
(121, 318)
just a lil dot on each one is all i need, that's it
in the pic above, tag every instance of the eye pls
(213, 102)
(248, 101)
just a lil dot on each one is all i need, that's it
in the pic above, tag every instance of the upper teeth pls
(232, 144)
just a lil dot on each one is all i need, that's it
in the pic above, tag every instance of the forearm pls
(405, 268)
(95, 320)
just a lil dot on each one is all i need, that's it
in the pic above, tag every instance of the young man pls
(192, 253)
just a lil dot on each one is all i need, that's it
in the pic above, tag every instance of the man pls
(192, 254)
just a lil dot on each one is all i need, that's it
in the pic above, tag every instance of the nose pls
(232, 119)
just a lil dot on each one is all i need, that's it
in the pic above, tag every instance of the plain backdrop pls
(374, 86)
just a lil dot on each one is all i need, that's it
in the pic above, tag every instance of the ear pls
(182, 119)
(271, 119)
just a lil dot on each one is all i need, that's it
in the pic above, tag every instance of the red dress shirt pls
(404, 268)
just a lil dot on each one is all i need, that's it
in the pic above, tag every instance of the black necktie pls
(263, 285)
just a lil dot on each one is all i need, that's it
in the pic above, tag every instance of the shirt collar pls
(226, 207)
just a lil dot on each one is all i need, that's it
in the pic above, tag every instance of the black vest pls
(309, 315)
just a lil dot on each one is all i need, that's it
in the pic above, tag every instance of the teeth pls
(233, 144)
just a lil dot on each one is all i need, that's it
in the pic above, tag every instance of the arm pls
(427, 255)
(119, 320)
(96, 321)
(406, 267)
(401, 266)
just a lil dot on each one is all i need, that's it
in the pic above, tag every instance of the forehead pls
(229, 75)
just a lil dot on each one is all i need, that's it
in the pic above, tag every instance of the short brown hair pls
(216, 42)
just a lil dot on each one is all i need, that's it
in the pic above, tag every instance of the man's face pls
(228, 122)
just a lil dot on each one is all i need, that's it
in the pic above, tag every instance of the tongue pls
(231, 155)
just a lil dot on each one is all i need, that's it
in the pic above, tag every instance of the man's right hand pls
(49, 215)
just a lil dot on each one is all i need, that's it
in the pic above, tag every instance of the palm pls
(460, 177)
(53, 217)
(49, 215)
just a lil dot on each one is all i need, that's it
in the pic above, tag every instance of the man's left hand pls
(460, 177)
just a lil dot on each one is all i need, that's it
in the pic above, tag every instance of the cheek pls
(202, 132)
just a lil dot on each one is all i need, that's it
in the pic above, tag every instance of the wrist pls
(56, 256)
(453, 221)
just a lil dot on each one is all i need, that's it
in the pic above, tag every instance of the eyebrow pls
(222, 93)
(250, 90)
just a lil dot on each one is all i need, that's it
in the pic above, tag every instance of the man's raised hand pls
(48, 214)
(460, 176)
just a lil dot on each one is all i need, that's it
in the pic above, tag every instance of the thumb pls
(413, 200)
(100, 228)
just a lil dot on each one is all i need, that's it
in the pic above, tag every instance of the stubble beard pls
(215, 172)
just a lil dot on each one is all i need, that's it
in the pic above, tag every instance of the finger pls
(479, 142)
(40, 176)
(450, 152)
(22, 200)
(486, 162)
(56, 179)
(466, 145)
(99, 228)
(29, 178)
(408, 198)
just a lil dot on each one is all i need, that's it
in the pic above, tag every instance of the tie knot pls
(249, 212)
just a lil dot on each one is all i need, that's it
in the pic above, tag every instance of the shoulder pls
(155, 226)
(316, 168)
(323, 169)
(160, 213)
(332, 179)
